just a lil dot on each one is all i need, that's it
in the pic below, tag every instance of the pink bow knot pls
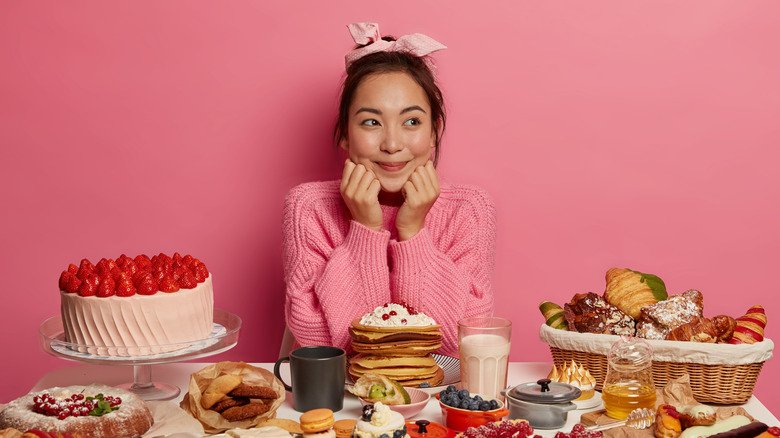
(367, 35)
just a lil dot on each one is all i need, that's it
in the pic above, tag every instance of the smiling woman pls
(388, 230)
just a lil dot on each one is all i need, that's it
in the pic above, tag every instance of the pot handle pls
(497, 414)
(568, 407)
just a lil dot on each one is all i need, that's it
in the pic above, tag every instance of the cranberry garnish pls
(403, 321)
(393, 313)
(385, 316)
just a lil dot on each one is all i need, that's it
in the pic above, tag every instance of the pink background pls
(622, 133)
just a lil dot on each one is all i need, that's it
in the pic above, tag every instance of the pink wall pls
(640, 134)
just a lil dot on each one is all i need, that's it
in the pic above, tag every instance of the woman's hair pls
(388, 62)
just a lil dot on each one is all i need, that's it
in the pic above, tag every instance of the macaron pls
(344, 428)
(317, 420)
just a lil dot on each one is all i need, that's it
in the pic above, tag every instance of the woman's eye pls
(370, 122)
(412, 122)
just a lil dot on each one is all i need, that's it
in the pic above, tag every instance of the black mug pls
(318, 375)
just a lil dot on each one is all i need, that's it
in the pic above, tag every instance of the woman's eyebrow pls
(368, 110)
(412, 108)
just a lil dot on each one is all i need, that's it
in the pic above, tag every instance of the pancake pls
(395, 329)
(368, 361)
(394, 372)
(434, 379)
(379, 337)
(418, 350)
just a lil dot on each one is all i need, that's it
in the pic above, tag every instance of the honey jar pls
(629, 381)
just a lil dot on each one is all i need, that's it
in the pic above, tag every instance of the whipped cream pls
(384, 421)
(397, 316)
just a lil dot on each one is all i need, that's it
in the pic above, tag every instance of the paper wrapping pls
(664, 351)
(212, 421)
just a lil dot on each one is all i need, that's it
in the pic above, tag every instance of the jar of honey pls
(629, 381)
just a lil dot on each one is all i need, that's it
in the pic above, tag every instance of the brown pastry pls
(651, 330)
(697, 415)
(724, 327)
(667, 422)
(252, 391)
(240, 413)
(698, 330)
(228, 403)
(590, 313)
(674, 311)
(218, 389)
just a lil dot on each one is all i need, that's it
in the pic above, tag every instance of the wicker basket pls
(711, 383)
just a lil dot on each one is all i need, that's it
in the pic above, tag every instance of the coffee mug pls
(318, 375)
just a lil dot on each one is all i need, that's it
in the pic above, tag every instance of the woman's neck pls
(392, 199)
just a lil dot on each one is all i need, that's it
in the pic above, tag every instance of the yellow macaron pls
(317, 420)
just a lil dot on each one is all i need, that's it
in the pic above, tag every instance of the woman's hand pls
(360, 190)
(420, 192)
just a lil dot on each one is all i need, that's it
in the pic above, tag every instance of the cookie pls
(228, 403)
(240, 413)
(218, 389)
(344, 428)
(251, 391)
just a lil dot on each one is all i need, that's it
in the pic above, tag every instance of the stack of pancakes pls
(401, 353)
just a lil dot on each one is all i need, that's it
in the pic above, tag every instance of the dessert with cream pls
(396, 341)
(575, 375)
(96, 411)
(136, 306)
(378, 420)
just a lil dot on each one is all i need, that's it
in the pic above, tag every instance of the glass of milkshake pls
(484, 355)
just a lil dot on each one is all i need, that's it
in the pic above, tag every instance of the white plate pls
(590, 403)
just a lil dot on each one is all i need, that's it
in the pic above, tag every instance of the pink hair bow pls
(368, 33)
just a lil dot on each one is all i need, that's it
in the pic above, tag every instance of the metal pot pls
(544, 404)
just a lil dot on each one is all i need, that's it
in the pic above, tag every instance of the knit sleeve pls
(329, 280)
(449, 278)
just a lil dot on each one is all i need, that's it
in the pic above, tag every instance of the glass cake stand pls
(223, 337)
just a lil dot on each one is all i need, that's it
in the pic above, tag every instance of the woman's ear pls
(343, 144)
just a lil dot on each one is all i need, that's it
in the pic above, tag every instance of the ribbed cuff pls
(415, 254)
(367, 245)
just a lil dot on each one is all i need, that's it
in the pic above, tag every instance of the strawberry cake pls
(96, 411)
(136, 306)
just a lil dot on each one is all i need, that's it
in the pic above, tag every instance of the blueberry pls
(425, 385)
(368, 411)
(451, 388)
(384, 435)
(463, 393)
(477, 398)
(454, 397)
(464, 404)
(484, 406)
(398, 434)
(443, 394)
(493, 404)
(473, 406)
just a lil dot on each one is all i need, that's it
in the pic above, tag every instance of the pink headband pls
(368, 33)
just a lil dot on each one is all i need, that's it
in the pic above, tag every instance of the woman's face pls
(390, 130)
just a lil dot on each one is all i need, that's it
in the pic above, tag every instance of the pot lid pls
(545, 391)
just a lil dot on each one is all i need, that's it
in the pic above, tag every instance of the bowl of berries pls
(461, 410)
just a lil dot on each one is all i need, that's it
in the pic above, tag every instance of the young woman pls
(388, 230)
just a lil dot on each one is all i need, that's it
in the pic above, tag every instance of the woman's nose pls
(391, 142)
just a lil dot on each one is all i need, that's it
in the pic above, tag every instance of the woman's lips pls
(392, 167)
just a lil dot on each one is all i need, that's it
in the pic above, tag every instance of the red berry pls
(403, 321)
(64, 278)
(124, 286)
(158, 275)
(147, 287)
(106, 287)
(122, 260)
(89, 286)
(130, 267)
(393, 313)
(187, 260)
(142, 261)
(73, 269)
(116, 272)
(385, 316)
(201, 272)
(102, 268)
(168, 284)
(176, 258)
(73, 285)
(187, 280)
(63, 415)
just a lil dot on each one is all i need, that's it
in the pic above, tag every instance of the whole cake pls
(396, 341)
(136, 306)
(96, 411)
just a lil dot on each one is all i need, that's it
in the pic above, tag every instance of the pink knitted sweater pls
(336, 269)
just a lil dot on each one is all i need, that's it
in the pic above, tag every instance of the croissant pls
(724, 327)
(698, 330)
(750, 327)
(630, 290)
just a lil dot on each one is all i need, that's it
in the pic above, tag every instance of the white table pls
(179, 374)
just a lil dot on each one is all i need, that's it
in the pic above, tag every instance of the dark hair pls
(387, 62)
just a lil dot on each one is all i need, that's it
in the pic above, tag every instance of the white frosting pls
(139, 324)
(375, 318)
(383, 421)
(330, 433)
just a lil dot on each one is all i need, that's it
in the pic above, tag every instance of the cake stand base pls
(144, 387)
